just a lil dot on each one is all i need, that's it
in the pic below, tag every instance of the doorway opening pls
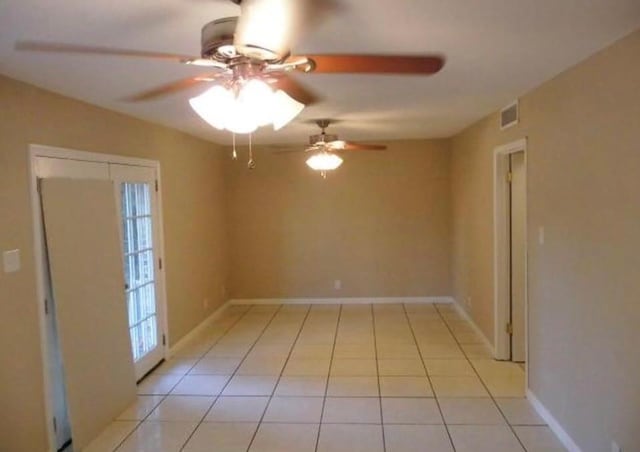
(510, 253)
(135, 188)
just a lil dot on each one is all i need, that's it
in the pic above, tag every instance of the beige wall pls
(584, 188)
(380, 224)
(194, 232)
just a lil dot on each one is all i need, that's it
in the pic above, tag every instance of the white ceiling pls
(495, 50)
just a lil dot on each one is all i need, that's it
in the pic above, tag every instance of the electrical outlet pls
(337, 284)
(615, 447)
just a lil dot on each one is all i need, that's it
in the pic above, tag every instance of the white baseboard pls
(199, 329)
(475, 326)
(553, 424)
(346, 300)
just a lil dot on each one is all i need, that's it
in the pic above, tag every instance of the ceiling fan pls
(325, 148)
(250, 61)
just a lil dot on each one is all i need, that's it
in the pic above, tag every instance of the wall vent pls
(509, 115)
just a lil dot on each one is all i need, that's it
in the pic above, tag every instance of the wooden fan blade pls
(377, 64)
(296, 90)
(174, 87)
(351, 146)
(57, 47)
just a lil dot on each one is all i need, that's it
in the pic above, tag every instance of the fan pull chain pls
(234, 154)
(251, 164)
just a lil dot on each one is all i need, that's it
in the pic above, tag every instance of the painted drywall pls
(194, 232)
(380, 224)
(583, 188)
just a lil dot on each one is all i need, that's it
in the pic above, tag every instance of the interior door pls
(518, 255)
(137, 200)
(47, 167)
(85, 262)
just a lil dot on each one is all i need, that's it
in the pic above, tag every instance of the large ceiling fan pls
(324, 149)
(249, 60)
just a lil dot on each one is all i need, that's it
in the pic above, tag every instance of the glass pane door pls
(139, 269)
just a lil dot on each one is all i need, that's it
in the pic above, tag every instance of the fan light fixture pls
(255, 105)
(324, 161)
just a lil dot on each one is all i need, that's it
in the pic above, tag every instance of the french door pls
(137, 200)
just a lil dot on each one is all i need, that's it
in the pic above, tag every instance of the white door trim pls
(35, 151)
(501, 249)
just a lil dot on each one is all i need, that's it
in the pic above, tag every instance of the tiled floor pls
(326, 378)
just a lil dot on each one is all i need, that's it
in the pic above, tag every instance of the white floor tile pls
(350, 438)
(158, 437)
(356, 410)
(401, 367)
(285, 438)
(397, 410)
(347, 367)
(484, 438)
(519, 411)
(215, 366)
(449, 368)
(205, 385)
(140, 408)
(111, 436)
(405, 387)
(294, 410)
(175, 366)
(306, 367)
(476, 411)
(181, 408)
(237, 409)
(458, 387)
(250, 386)
(158, 384)
(228, 437)
(353, 387)
(416, 438)
(301, 386)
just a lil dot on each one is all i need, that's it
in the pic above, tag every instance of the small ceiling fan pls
(256, 46)
(324, 149)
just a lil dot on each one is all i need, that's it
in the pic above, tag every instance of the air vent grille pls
(509, 116)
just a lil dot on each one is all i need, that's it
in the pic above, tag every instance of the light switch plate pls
(11, 261)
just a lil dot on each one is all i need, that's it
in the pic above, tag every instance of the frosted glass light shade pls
(284, 109)
(213, 106)
(324, 161)
(256, 98)
(256, 105)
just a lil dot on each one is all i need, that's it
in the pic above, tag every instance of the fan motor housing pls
(322, 138)
(217, 39)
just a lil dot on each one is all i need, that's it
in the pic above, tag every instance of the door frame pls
(35, 151)
(501, 251)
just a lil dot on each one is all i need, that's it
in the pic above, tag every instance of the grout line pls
(424, 366)
(482, 381)
(375, 352)
(164, 396)
(326, 385)
(293, 344)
